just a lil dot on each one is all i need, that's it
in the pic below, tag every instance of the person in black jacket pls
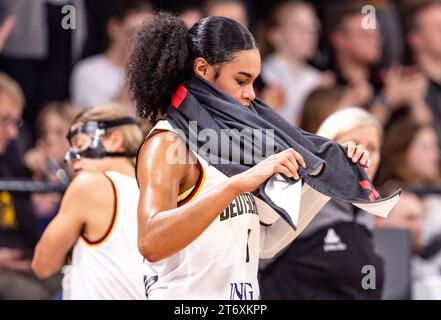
(334, 257)
(18, 225)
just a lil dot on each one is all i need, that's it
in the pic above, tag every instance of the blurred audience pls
(98, 14)
(411, 160)
(323, 102)
(423, 25)
(233, 9)
(290, 40)
(406, 215)
(39, 51)
(46, 159)
(11, 103)
(411, 155)
(355, 50)
(319, 105)
(100, 78)
(355, 53)
(18, 226)
(190, 14)
(391, 31)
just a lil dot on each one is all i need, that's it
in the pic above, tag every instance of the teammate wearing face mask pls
(100, 228)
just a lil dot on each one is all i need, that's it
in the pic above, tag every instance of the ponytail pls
(164, 54)
(159, 63)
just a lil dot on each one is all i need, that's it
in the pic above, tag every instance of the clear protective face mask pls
(89, 139)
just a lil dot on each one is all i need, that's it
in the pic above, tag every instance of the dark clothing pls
(98, 15)
(375, 79)
(19, 230)
(18, 225)
(433, 100)
(327, 264)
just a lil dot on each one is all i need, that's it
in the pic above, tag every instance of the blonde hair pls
(346, 120)
(132, 134)
(11, 88)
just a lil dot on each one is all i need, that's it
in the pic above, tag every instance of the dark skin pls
(164, 228)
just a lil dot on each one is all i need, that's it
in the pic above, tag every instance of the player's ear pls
(201, 68)
(115, 142)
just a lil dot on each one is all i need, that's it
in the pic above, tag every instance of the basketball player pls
(198, 229)
(97, 217)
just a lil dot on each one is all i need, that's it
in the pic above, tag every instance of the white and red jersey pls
(112, 267)
(222, 263)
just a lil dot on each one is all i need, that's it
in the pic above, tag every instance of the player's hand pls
(357, 153)
(286, 162)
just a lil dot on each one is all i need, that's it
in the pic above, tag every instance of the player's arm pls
(164, 228)
(80, 199)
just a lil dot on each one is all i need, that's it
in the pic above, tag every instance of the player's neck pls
(122, 165)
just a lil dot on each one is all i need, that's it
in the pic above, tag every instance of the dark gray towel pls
(329, 171)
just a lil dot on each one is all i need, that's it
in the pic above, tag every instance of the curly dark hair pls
(158, 64)
(164, 53)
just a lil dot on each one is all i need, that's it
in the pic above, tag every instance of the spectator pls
(406, 215)
(46, 159)
(233, 9)
(389, 19)
(98, 14)
(18, 227)
(386, 13)
(323, 102)
(291, 38)
(48, 154)
(424, 39)
(411, 155)
(356, 51)
(412, 160)
(100, 78)
(326, 259)
(190, 14)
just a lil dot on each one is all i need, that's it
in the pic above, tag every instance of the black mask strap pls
(102, 124)
(120, 154)
(116, 123)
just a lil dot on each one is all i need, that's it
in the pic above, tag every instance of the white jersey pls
(222, 263)
(111, 268)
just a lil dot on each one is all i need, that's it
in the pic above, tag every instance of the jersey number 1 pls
(248, 248)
